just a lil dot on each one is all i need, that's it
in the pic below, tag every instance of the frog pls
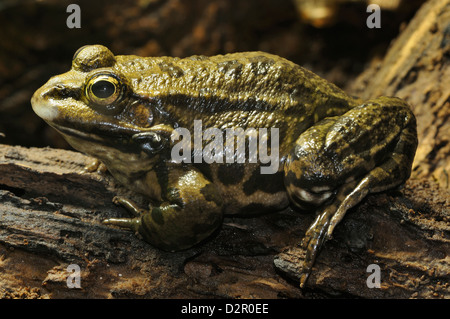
(333, 148)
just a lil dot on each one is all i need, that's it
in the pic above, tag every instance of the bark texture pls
(50, 217)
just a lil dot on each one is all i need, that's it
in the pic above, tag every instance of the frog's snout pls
(41, 106)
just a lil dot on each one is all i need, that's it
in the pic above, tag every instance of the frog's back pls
(248, 89)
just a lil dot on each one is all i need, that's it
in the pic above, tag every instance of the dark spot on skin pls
(206, 170)
(231, 174)
(314, 179)
(212, 105)
(268, 183)
(298, 110)
(260, 64)
(162, 174)
(289, 178)
(173, 70)
(211, 194)
(157, 216)
(231, 68)
(445, 37)
(174, 197)
(296, 93)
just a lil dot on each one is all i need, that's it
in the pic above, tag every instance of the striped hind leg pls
(340, 160)
(381, 178)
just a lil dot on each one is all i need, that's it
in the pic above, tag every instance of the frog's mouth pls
(123, 139)
(103, 134)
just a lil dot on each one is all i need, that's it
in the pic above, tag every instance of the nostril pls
(61, 91)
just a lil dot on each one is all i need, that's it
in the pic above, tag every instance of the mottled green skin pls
(334, 149)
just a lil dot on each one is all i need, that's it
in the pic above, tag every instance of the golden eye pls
(105, 92)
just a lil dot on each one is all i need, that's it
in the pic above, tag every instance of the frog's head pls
(95, 108)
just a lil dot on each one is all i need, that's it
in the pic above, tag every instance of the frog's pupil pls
(103, 89)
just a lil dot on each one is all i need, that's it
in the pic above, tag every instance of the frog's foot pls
(314, 238)
(129, 223)
(349, 195)
(322, 228)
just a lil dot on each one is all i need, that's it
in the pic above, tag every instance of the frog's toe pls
(129, 205)
(128, 223)
(315, 236)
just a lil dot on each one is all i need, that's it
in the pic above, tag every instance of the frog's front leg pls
(95, 165)
(340, 160)
(191, 211)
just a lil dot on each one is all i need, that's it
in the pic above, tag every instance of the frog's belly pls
(245, 190)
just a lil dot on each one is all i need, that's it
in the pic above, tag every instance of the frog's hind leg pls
(340, 160)
(349, 195)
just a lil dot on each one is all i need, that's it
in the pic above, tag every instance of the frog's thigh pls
(392, 170)
(370, 148)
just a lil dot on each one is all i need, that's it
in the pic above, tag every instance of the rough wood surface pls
(50, 217)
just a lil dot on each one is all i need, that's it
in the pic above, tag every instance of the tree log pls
(50, 217)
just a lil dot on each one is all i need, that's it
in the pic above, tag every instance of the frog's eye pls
(105, 93)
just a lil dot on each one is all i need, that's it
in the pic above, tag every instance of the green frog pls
(127, 111)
